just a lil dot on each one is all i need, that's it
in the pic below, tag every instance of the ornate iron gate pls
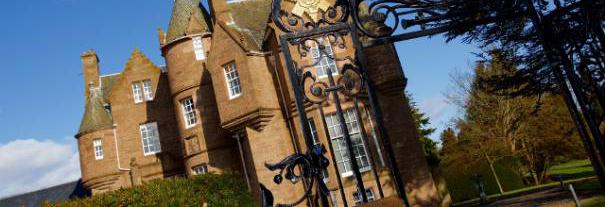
(313, 28)
(323, 71)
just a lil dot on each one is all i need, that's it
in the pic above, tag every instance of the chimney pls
(90, 70)
(161, 36)
(219, 9)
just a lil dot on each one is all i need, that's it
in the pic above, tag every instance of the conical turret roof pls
(183, 12)
(96, 117)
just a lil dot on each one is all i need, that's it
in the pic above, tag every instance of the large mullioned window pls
(150, 138)
(232, 79)
(343, 159)
(98, 148)
(188, 112)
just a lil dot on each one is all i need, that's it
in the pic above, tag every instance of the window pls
(150, 138)
(147, 90)
(198, 48)
(342, 154)
(315, 136)
(98, 148)
(139, 94)
(357, 198)
(200, 169)
(232, 78)
(188, 112)
(326, 61)
(136, 92)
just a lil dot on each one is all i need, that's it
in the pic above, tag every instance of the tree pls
(497, 125)
(424, 131)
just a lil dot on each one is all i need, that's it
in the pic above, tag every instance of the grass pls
(577, 171)
(597, 201)
(573, 169)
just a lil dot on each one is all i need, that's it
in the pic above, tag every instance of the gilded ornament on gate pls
(310, 7)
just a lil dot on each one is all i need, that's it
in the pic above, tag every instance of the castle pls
(223, 103)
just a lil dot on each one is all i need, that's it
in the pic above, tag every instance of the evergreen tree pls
(424, 131)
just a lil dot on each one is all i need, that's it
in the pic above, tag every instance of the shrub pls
(215, 190)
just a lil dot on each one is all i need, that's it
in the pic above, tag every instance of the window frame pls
(137, 92)
(204, 170)
(326, 62)
(340, 150)
(152, 140)
(186, 113)
(97, 146)
(369, 194)
(147, 90)
(234, 82)
(198, 47)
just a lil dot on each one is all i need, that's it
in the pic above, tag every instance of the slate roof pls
(250, 21)
(96, 117)
(182, 12)
(107, 82)
(57, 193)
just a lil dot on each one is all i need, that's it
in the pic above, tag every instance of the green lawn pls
(573, 169)
(594, 202)
(577, 171)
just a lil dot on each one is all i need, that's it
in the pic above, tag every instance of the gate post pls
(389, 82)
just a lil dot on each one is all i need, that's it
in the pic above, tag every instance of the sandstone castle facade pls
(223, 102)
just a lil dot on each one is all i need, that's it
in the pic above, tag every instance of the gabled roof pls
(96, 115)
(183, 12)
(250, 21)
(57, 193)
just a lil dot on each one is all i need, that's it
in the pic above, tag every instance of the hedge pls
(461, 183)
(212, 189)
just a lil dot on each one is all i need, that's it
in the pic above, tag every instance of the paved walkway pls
(548, 198)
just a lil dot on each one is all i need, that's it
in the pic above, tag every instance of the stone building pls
(223, 103)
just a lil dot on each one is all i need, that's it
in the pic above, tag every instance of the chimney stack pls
(90, 70)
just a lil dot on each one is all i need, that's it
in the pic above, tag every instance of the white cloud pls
(28, 164)
(434, 106)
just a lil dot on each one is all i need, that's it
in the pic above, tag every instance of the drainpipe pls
(115, 141)
(241, 153)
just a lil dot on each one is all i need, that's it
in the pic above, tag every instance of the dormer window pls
(142, 90)
(232, 79)
(198, 48)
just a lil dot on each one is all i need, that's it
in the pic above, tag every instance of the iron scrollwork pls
(311, 165)
(316, 90)
(319, 12)
(382, 18)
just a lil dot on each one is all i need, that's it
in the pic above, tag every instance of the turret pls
(186, 51)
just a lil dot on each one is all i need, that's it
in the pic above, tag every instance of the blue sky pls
(41, 86)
